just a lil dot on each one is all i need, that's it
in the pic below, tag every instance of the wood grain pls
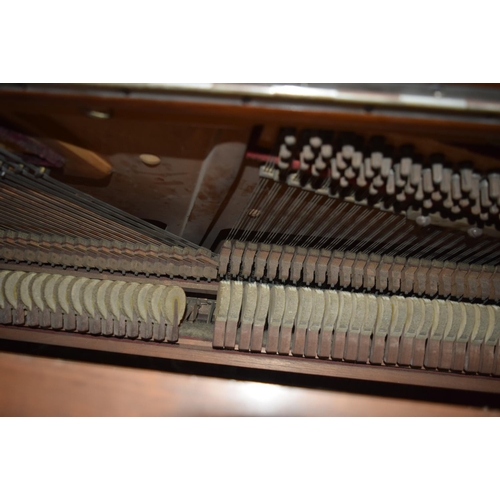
(202, 352)
(239, 114)
(37, 386)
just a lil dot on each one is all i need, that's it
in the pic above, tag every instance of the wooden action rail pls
(199, 351)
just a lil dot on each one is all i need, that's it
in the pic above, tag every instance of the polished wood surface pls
(199, 351)
(39, 386)
(237, 113)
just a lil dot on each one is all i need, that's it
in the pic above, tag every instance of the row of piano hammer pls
(79, 304)
(364, 328)
(359, 271)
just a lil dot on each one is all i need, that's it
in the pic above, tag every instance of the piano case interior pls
(347, 235)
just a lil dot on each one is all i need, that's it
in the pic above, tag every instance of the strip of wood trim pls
(234, 112)
(202, 352)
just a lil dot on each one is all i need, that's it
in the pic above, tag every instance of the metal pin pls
(484, 194)
(315, 142)
(476, 208)
(334, 172)
(407, 169)
(400, 182)
(427, 180)
(494, 184)
(385, 167)
(341, 164)
(357, 159)
(474, 192)
(456, 192)
(327, 151)
(361, 180)
(350, 173)
(445, 186)
(369, 173)
(376, 160)
(436, 196)
(448, 202)
(437, 173)
(419, 195)
(391, 187)
(347, 151)
(466, 179)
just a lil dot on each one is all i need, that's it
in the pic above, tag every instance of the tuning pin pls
(284, 153)
(466, 179)
(436, 196)
(409, 189)
(476, 208)
(406, 169)
(347, 151)
(456, 192)
(401, 197)
(385, 167)
(494, 184)
(415, 173)
(448, 201)
(400, 182)
(357, 159)
(445, 186)
(419, 195)
(494, 209)
(334, 172)
(427, 203)
(484, 191)
(326, 151)
(369, 173)
(391, 184)
(341, 164)
(361, 179)
(306, 158)
(427, 180)
(344, 182)
(376, 160)
(474, 192)
(437, 173)
(290, 140)
(349, 173)
(319, 164)
(372, 190)
(378, 181)
(315, 142)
